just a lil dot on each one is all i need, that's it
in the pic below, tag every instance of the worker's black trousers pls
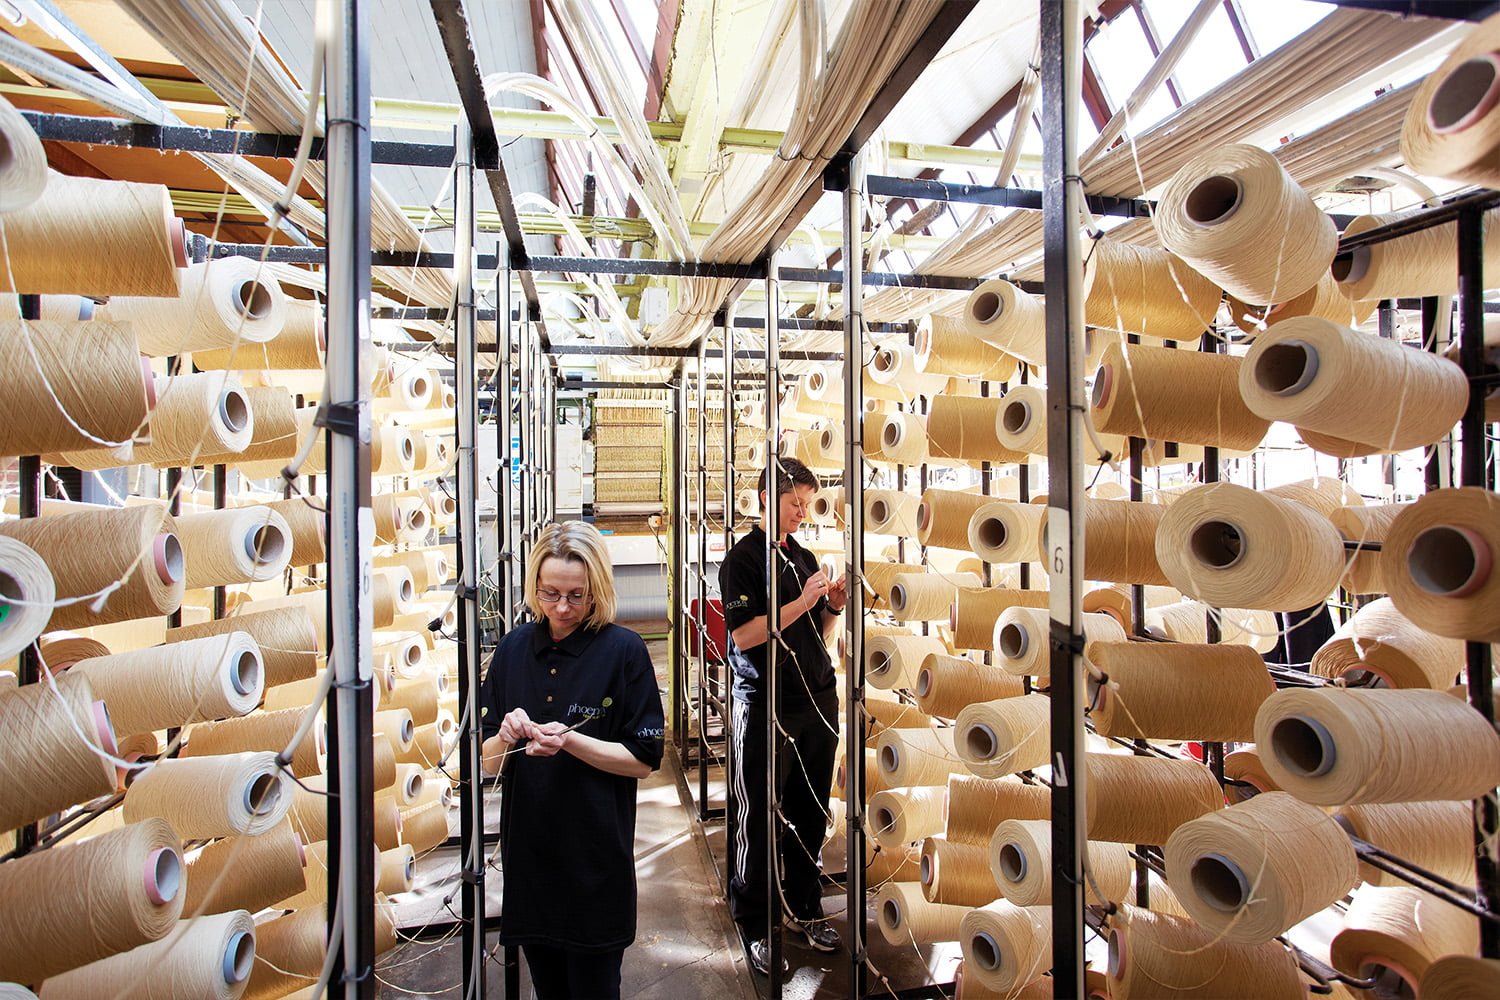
(804, 777)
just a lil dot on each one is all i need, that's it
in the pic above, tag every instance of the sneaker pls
(820, 933)
(760, 957)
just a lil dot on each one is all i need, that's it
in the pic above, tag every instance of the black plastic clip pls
(339, 418)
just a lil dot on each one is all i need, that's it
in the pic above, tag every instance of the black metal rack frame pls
(529, 371)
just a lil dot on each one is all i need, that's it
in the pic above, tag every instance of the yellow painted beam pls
(432, 116)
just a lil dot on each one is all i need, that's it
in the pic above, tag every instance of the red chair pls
(718, 642)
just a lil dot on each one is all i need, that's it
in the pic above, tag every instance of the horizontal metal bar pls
(1418, 221)
(440, 930)
(643, 265)
(1453, 10)
(318, 255)
(410, 313)
(941, 281)
(1003, 197)
(622, 350)
(1414, 304)
(581, 383)
(192, 139)
(804, 323)
(1354, 544)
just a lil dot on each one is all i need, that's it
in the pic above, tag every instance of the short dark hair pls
(790, 474)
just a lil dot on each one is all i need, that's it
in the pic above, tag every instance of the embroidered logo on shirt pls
(590, 711)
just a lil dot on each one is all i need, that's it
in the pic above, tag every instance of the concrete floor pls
(686, 947)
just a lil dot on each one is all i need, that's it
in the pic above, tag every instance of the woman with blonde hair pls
(572, 714)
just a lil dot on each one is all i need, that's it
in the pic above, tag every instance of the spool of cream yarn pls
(179, 683)
(23, 172)
(1381, 642)
(50, 749)
(1333, 380)
(1143, 800)
(78, 903)
(1177, 691)
(1021, 425)
(1398, 932)
(1450, 127)
(912, 757)
(1160, 956)
(1251, 871)
(222, 301)
(246, 873)
(241, 793)
(945, 685)
(1145, 290)
(1187, 621)
(1009, 319)
(209, 956)
(1006, 946)
(957, 873)
(1226, 201)
(895, 365)
(1233, 547)
(267, 731)
(1439, 836)
(1006, 532)
(71, 385)
(1461, 977)
(137, 250)
(905, 917)
(26, 596)
(948, 346)
(1438, 562)
(1022, 639)
(1155, 393)
(892, 661)
(1020, 858)
(234, 546)
(1333, 746)
(901, 816)
(286, 638)
(1001, 737)
(891, 512)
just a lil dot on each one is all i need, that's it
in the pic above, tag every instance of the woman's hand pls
(838, 594)
(516, 726)
(546, 739)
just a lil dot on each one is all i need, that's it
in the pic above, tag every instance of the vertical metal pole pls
(221, 500)
(1475, 472)
(29, 485)
(1138, 627)
(1386, 317)
(1061, 46)
(701, 619)
(550, 416)
(677, 508)
(505, 400)
(351, 888)
(772, 860)
(1439, 471)
(854, 561)
(725, 694)
(526, 444)
(1213, 750)
(466, 379)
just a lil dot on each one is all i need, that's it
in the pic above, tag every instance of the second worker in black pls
(808, 718)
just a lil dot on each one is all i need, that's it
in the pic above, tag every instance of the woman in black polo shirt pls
(572, 713)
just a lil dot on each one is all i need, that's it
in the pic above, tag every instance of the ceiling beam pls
(667, 13)
(947, 20)
(453, 28)
(633, 37)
